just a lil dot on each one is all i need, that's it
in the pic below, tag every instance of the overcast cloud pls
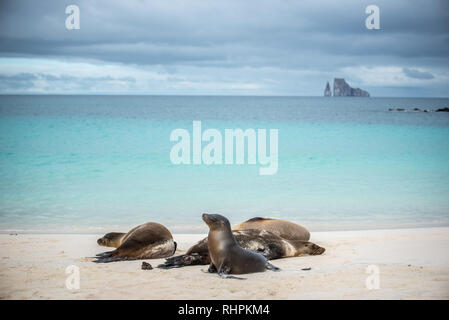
(251, 47)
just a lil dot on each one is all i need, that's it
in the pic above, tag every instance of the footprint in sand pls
(62, 254)
(86, 259)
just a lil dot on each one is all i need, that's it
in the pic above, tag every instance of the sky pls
(227, 47)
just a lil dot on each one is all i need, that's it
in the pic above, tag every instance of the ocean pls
(102, 163)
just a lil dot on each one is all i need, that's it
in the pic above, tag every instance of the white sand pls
(413, 264)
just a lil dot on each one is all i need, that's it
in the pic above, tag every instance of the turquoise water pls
(95, 163)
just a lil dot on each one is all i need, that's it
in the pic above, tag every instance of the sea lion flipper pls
(110, 256)
(271, 267)
(185, 260)
(224, 272)
(227, 276)
(212, 268)
(110, 259)
(104, 254)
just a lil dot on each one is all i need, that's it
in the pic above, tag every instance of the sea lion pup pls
(226, 255)
(284, 229)
(264, 242)
(147, 241)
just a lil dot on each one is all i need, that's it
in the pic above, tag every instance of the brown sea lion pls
(147, 241)
(284, 229)
(268, 244)
(226, 255)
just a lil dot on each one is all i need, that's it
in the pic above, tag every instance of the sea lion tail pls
(271, 267)
(185, 260)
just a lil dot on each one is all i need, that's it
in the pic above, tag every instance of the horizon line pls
(214, 95)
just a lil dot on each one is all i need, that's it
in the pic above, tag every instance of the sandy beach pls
(412, 264)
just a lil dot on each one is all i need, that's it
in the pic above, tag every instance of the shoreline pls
(202, 229)
(413, 264)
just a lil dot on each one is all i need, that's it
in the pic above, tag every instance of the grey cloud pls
(23, 82)
(417, 74)
(323, 36)
(226, 32)
(18, 77)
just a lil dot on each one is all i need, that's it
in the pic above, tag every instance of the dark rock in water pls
(342, 89)
(327, 90)
(146, 266)
(306, 269)
(418, 110)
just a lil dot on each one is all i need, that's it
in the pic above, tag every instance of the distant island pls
(342, 89)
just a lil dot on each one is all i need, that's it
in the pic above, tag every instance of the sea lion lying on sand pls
(270, 245)
(284, 229)
(147, 241)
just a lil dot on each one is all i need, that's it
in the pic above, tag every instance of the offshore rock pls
(342, 89)
(327, 90)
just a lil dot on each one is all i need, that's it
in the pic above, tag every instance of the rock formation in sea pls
(342, 89)
(418, 110)
(327, 90)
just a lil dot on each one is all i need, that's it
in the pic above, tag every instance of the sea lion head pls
(216, 221)
(111, 239)
(308, 248)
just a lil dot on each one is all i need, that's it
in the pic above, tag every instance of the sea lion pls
(147, 241)
(284, 229)
(268, 244)
(226, 255)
